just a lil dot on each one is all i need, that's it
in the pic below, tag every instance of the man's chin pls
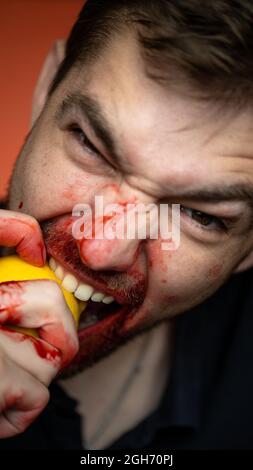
(84, 359)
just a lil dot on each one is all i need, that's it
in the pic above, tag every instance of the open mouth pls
(112, 297)
(100, 306)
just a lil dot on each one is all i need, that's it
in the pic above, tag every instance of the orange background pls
(28, 29)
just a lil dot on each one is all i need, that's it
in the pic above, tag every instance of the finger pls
(34, 355)
(40, 304)
(22, 398)
(23, 233)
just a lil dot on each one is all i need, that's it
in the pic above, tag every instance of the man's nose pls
(116, 242)
(115, 255)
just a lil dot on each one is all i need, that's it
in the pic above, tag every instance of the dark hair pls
(206, 46)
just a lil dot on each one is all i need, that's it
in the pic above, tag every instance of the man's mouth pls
(100, 305)
(113, 298)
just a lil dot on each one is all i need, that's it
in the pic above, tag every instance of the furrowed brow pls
(91, 111)
(240, 192)
(237, 192)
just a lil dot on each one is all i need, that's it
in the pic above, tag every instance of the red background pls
(28, 29)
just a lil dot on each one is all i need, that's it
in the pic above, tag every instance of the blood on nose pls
(105, 243)
(116, 255)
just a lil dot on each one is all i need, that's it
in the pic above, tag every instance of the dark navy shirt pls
(208, 402)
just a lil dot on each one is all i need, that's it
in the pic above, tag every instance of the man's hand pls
(27, 364)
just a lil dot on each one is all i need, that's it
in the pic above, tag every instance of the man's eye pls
(204, 220)
(83, 140)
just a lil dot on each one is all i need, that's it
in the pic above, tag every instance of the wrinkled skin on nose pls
(108, 247)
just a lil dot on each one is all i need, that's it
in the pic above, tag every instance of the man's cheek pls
(215, 271)
(81, 188)
(165, 272)
(158, 259)
(177, 277)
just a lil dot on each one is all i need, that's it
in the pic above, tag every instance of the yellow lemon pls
(13, 268)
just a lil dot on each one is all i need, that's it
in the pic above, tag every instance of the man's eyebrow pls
(91, 110)
(237, 192)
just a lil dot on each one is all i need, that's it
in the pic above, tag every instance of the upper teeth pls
(81, 291)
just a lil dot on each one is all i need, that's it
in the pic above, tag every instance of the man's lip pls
(118, 317)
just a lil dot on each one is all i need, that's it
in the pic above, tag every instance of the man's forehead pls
(172, 124)
(148, 124)
(133, 103)
(140, 111)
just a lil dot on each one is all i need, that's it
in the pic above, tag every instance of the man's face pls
(166, 148)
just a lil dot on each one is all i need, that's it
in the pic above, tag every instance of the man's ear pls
(48, 71)
(245, 264)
